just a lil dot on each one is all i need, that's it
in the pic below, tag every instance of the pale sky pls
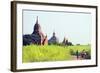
(76, 27)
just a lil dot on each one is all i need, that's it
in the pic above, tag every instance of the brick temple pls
(37, 36)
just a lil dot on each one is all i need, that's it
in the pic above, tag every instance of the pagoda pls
(37, 36)
(53, 39)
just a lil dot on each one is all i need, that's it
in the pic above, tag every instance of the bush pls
(72, 52)
(37, 53)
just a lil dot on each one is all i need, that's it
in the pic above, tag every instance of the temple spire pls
(37, 20)
(53, 33)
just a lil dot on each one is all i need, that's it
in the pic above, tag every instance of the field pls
(36, 53)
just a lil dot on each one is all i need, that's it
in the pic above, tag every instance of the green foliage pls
(72, 52)
(38, 53)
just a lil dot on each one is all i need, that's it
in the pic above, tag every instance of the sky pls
(76, 27)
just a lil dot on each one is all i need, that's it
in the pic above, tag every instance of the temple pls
(66, 42)
(37, 36)
(53, 39)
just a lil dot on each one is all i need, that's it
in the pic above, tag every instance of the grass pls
(36, 53)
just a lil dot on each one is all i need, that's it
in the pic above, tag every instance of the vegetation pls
(38, 53)
(79, 49)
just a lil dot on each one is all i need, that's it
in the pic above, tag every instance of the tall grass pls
(36, 53)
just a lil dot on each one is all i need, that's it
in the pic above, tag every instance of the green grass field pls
(36, 53)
